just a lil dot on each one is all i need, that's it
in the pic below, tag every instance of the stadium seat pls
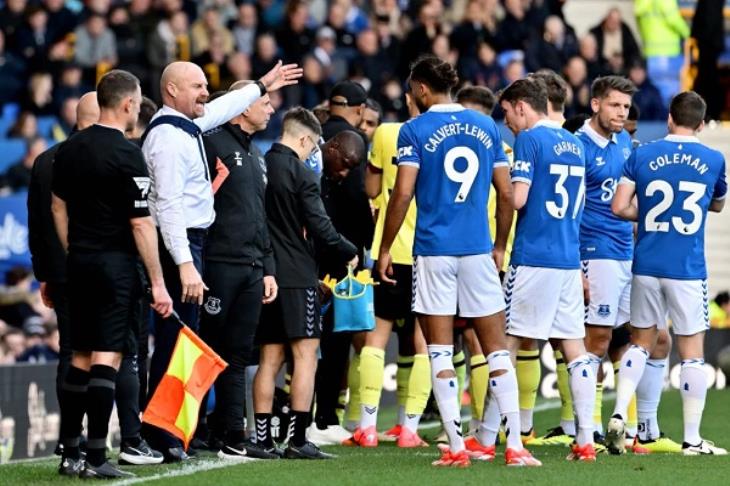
(45, 125)
(12, 150)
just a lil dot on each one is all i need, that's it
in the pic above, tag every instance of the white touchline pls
(186, 470)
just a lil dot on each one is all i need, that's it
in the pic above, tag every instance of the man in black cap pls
(348, 206)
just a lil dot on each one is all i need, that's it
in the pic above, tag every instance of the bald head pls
(343, 152)
(87, 111)
(184, 88)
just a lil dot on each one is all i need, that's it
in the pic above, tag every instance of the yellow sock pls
(403, 373)
(528, 377)
(478, 381)
(353, 383)
(566, 400)
(419, 385)
(598, 409)
(459, 361)
(372, 365)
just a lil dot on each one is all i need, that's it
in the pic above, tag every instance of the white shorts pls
(544, 303)
(443, 284)
(609, 282)
(685, 302)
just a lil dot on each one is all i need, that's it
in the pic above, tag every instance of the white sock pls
(693, 386)
(489, 427)
(583, 391)
(446, 391)
(250, 421)
(401, 414)
(411, 422)
(595, 362)
(648, 395)
(568, 427)
(526, 420)
(473, 425)
(632, 367)
(368, 416)
(505, 392)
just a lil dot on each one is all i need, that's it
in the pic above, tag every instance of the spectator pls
(391, 99)
(62, 129)
(337, 21)
(39, 98)
(213, 61)
(95, 43)
(70, 85)
(61, 20)
(419, 40)
(26, 126)
(441, 48)
(513, 30)
(372, 60)
(514, 70)
(554, 48)
(647, 97)
(576, 74)
(719, 310)
(18, 176)
(170, 41)
(469, 34)
(12, 18)
(588, 50)
(47, 350)
(244, 32)
(207, 27)
(356, 20)
(389, 43)
(16, 298)
(12, 73)
(314, 85)
(238, 66)
(616, 44)
(130, 41)
(294, 37)
(13, 345)
(328, 55)
(266, 54)
(485, 70)
(32, 38)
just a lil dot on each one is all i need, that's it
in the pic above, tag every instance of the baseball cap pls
(353, 94)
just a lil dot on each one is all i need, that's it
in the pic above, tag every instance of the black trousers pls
(166, 330)
(331, 371)
(230, 316)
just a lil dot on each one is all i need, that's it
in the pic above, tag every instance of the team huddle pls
(606, 235)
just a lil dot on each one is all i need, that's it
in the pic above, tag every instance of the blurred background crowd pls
(53, 51)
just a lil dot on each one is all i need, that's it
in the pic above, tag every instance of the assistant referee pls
(100, 186)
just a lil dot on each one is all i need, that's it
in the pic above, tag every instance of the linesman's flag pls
(192, 370)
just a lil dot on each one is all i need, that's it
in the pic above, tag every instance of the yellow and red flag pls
(177, 400)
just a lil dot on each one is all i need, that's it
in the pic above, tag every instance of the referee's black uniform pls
(238, 254)
(103, 180)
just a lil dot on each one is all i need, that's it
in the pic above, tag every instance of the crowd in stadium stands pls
(52, 51)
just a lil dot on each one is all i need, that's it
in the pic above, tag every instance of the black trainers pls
(105, 471)
(306, 451)
(139, 455)
(175, 454)
(599, 438)
(70, 467)
(248, 450)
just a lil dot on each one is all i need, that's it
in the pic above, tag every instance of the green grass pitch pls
(388, 465)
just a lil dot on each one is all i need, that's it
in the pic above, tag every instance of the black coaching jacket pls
(238, 173)
(297, 219)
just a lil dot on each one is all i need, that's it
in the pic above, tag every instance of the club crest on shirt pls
(213, 305)
(627, 152)
(237, 158)
(604, 310)
(600, 161)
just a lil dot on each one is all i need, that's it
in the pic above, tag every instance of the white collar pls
(597, 138)
(166, 110)
(446, 108)
(546, 122)
(681, 138)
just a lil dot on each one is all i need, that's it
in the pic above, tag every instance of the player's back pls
(675, 179)
(551, 160)
(602, 234)
(455, 150)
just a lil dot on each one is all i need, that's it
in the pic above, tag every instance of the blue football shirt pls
(551, 160)
(676, 179)
(455, 150)
(602, 234)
